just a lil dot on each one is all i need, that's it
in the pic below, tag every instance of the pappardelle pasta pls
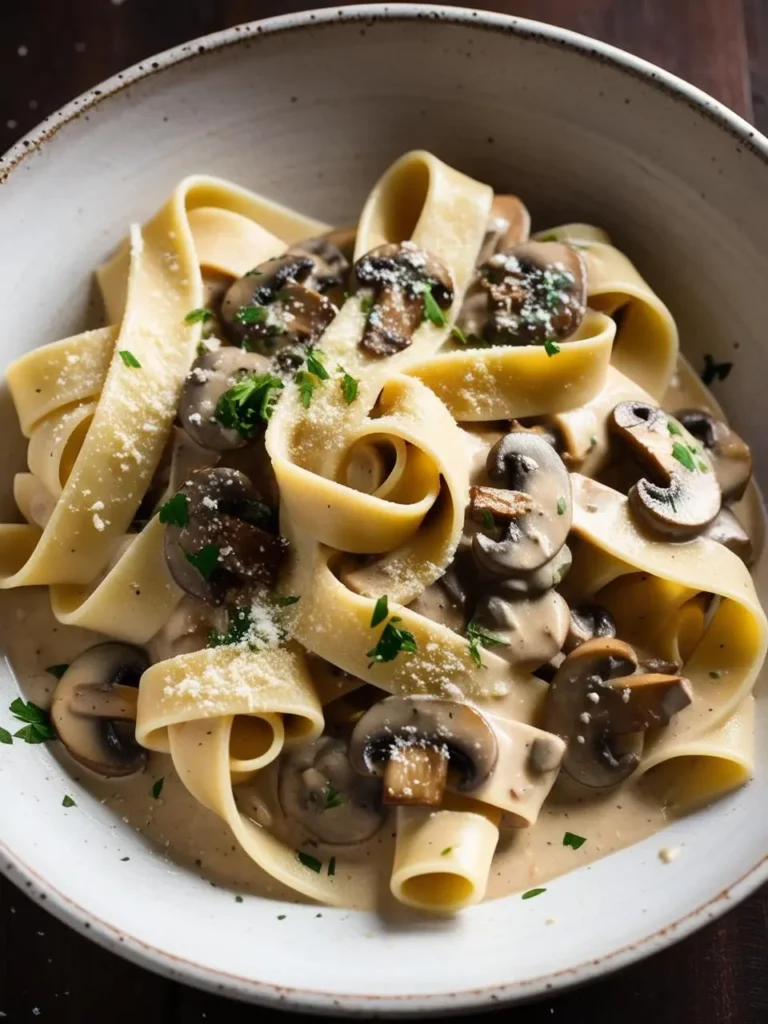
(411, 545)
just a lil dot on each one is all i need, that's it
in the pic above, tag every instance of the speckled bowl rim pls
(162, 961)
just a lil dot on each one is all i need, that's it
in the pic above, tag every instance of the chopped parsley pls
(380, 611)
(248, 403)
(205, 560)
(551, 347)
(477, 639)
(38, 728)
(683, 455)
(715, 674)
(306, 384)
(561, 506)
(349, 385)
(5, 736)
(531, 893)
(238, 899)
(57, 670)
(238, 628)
(281, 917)
(198, 316)
(333, 798)
(392, 642)
(674, 428)
(714, 371)
(488, 521)
(432, 311)
(287, 600)
(157, 788)
(574, 841)
(366, 304)
(175, 512)
(129, 359)
(549, 237)
(593, 442)
(249, 316)
(332, 867)
(309, 861)
(446, 851)
(68, 802)
(459, 335)
(314, 365)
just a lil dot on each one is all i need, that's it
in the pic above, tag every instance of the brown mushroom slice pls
(399, 276)
(509, 224)
(414, 742)
(728, 531)
(94, 709)
(729, 454)
(319, 789)
(213, 374)
(642, 702)
(534, 583)
(685, 496)
(445, 601)
(229, 538)
(526, 632)
(525, 463)
(273, 306)
(588, 622)
(332, 254)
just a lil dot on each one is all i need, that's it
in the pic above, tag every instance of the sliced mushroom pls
(320, 790)
(94, 709)
(525, 632)
(332, 254)
(731, 457)
(229, 538)
(445, 601)
(508, 225)
(273, 306)
(727, 530)
(588, 622)
(535, 293)
(188, 629)
(415, 741)
(525, 463)
(601, 708)
(212, 374)
(532, 584)
(399, 276)
(685, 496)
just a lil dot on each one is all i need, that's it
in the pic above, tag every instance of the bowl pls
(309, 109)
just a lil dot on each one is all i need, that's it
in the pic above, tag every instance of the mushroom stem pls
(105, 700)
(647, 701)
(416, 776)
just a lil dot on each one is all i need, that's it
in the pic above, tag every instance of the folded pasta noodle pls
(317, 489)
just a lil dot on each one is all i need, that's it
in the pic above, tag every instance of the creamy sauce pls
(189, 835)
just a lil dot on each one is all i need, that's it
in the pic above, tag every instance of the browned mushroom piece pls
(728, 531)
(417, 743)
(588, 622)
(274, 307)
(212, 375)
(601, 708)
(229, 539)
(730, 456)
(509, 225)
(399, 276)
(445, 601)
(94, 709)
(534, 294)
(684, 496)
(332, 254)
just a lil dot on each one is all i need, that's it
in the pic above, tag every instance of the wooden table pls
(52, 50)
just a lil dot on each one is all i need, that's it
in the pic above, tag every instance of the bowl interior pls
(310, 115)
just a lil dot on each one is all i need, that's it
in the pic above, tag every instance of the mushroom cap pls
(730, 455)
(445, 601)
(94, 709)
(526, 463)
(688, 497)
(589, 621)
(320, 790)
(428, 723)
(332, 254)
(225, 511)
(212, 374)
(509, 225)
(529, 632)
(399, 275)
(728, 531)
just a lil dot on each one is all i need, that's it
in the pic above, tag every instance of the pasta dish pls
(401, 562)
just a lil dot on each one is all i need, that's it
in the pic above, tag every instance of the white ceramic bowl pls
(309, 109)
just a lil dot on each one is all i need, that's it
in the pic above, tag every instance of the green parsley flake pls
(38, 728)
(249, 316)
(446, 851)
(281, 917)
(198, 316)
(315, 366)
(532, 892)
(157, 788)
(488, 521)
(349, 385)
(285, 602)
(683, 456)
(551, 347)
(459, 335)
(5, 736)
(309, 861)
(714, 371)
(561, 506)
(249, 403)
(68, 802)
(129, 359)
(549, 237)
(57, 670)
(333, 797)
(392, 642)
(366, 304)
(332, 867)
(240, 628)
(674, 428)
(306, 384)
(238, 899)
(574, 841)
(175, 512)
(477, 639)
(380, 611)
(715, 674)
(432, 311)
(205, 560)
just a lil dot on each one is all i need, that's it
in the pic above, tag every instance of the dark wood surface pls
(51, 50)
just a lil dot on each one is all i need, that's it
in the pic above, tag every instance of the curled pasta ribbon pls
(721, 657)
